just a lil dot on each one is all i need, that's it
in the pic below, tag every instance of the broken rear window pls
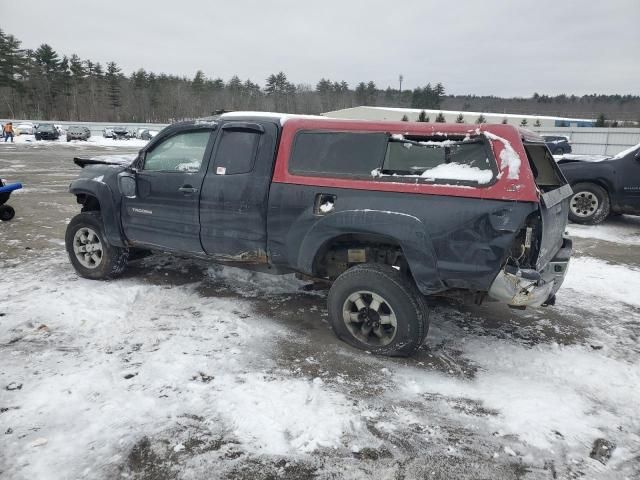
(465, 160)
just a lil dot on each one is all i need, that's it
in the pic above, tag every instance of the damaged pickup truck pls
(387, 212)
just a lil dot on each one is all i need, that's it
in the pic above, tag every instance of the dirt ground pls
(493, 393)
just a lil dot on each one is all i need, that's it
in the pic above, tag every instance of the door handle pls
(187, 189)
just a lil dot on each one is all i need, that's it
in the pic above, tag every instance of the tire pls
(103, 261)
(38, 137)
(6, 213)
(401, 302)
(589, 204)
(558, 151)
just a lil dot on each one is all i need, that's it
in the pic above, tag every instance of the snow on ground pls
(92, 367)
(624, 230)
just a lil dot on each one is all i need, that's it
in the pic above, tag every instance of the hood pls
(109, 160)
(569, 158)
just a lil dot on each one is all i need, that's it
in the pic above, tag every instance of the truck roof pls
(415, 128)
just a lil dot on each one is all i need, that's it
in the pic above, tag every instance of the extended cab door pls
(164, 212)
(234, 199)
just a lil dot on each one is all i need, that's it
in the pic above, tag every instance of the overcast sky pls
(498, 47)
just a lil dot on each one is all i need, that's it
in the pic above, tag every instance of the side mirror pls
(127, 184)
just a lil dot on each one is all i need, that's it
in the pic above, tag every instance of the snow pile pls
(509, 158)
(609, 282)
(280, 415)
(282, 116)
(458, 171)
(624, 230)
(446, 171)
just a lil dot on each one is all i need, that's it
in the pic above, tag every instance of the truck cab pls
(389, 213)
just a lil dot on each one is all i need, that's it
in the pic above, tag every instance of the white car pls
(24, 129)
(107, 132)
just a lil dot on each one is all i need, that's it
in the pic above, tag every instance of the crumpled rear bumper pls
(531, 288)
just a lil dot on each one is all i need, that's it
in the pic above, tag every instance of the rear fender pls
(408, 231)
(109, 211)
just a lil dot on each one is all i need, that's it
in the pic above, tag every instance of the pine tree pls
(601, 120)
(372, 93)
(460, 118)
(114, 95)
(537, 123)
(524, 122)
(504, 121)
(422, 117)
(404, 118)
(440, 118)
(197, 84)
(481, 119)
(361, 94)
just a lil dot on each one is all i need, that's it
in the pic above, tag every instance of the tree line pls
(45, 85)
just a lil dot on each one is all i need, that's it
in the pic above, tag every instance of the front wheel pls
(6, 213)
(375, 307)
(90, 254)
(589, 204)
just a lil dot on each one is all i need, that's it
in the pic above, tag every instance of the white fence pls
(594, 140)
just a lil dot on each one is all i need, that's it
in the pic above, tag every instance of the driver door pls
(164, 212)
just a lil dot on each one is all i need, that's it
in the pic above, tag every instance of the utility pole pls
(400, 78)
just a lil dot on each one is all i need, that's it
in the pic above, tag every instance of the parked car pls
(559, 145)
(146, 134)
(46, 131)
(24, 129)
(107, 132)
(78, 133)
(603, 185)
(386, 212)
(120, 133)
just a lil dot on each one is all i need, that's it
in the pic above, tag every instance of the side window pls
(337, 153)
(236, 152)
(182, 152)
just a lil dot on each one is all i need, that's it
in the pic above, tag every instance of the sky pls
(489, 47)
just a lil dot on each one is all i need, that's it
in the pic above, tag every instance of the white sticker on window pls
(221, 170)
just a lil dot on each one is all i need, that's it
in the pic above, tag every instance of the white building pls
(390, 113)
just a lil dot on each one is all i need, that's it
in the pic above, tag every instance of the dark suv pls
(78, 133)
(46, 131)
(386, 212)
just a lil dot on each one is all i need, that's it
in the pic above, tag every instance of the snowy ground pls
(182, 370)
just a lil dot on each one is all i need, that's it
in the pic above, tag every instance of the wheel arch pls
(98, 196)
(373, 228)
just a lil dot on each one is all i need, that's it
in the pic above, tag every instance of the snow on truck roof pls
(436, 128)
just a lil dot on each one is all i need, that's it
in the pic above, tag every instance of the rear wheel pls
(90, 254)
(376, 308)
(589, 204)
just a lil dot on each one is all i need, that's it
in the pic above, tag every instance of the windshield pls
(45, 127)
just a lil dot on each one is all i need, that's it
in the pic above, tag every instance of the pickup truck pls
(388, 212)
